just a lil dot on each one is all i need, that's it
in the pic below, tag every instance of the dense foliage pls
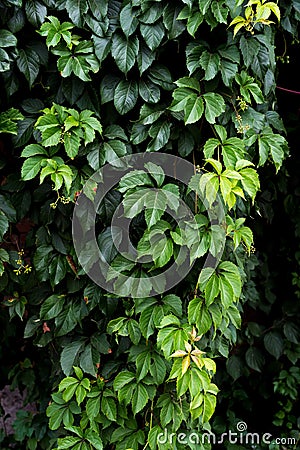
(86, 82)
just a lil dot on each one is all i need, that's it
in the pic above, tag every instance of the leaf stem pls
(291, 91)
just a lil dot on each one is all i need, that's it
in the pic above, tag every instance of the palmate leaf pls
(271, 144)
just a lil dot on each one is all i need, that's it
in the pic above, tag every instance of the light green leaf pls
(214, 106)
(32, 150)
(122, 379)
(193, 109)
(139, 399)
(31, 167)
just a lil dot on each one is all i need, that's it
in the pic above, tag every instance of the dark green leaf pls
(274, 344)
(76, 10)
(255, 359)
(7, 39)
(128, 20)
(124, 51)
(125, 96)
(35, 12)
(28, 63)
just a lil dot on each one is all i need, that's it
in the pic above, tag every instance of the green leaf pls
(128, 20)
(220, 11)
(149, 91)
(67, 442)
(57, 270)
(249, 48)
(32, 150)
(94, 439)
(228, 71)
(291, 332)
(86, 361)
(139, 399)
(93, 406)
(102, 47)
(9, 121)
(210, 63)
(35, 12)
(274, 344)
(134, 178)
(122, 379)
(142, 365)
(214, 106)
(158, 368)
(171, 22)
(204, 6)
(161, 76)
(234, 366)
(113, 150)
(152, 34)
(7, 39)
(145, 58)
(255, 359)
(199, 315)
(147, 322)
(31, 167)
(209, 406)
(4, 224)
(134, 331)
(71, 143)
(76, 10)
(125, 96)
(28, 63)
(188, 82)
(271, 144)
(124, 51)
(250, 181)
(193, 109)
(52, 306)
(69, 355)
(194, 22)
(160, 133)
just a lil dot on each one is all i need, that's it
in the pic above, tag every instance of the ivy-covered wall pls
(82, 84)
